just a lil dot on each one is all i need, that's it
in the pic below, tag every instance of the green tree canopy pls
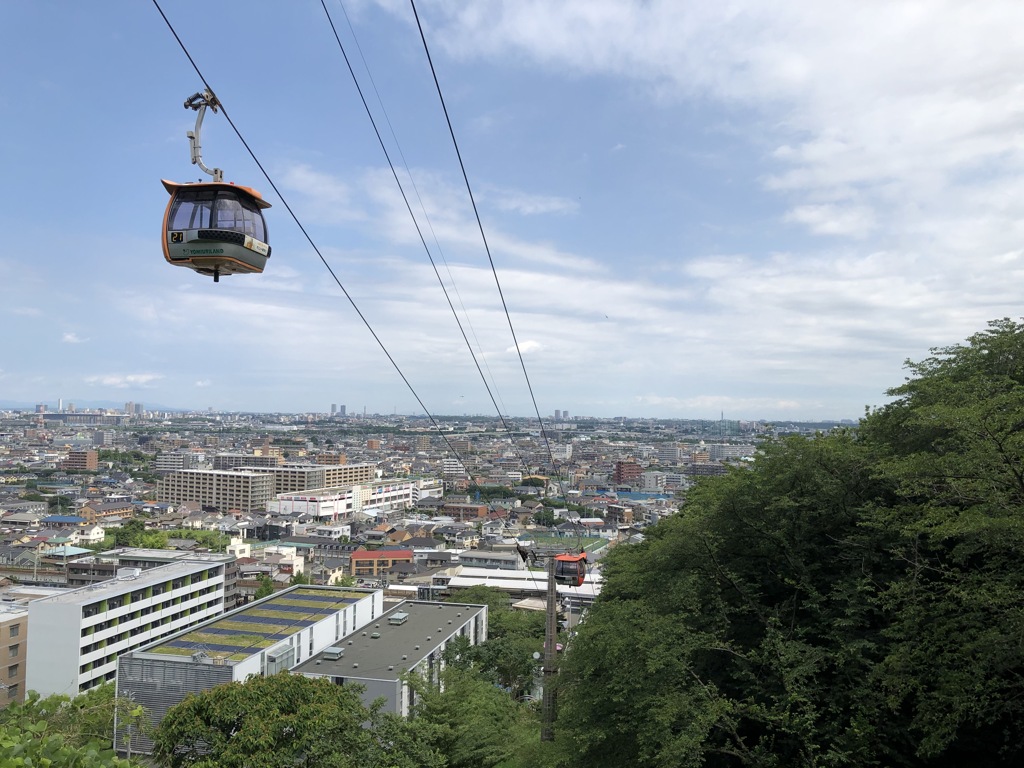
(851, 599)
(266, 587)
(473, 724)
(75, 732)
(285, 721)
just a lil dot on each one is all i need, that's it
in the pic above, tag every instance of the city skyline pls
(690, 209)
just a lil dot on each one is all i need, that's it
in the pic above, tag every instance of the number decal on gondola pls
(177, 237)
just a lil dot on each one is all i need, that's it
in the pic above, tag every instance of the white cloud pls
(720, 404)
(526, 347)
(899, 100)
(834, 219)
(203, 383)
(453, 224)
(529, 205)
(123, 381)
(72, 338)
(320, 197)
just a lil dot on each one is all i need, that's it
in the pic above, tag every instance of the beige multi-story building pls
(292, 478)
(251, 488)
(331, 458)
(245, 490)
(13, 637)
(236, 460)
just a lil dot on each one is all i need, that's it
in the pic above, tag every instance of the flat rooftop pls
(248, 630)
(515, 581)
(381, 658)
(114, 587)
(139, 553)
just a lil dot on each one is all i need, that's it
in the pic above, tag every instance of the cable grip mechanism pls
(199, 102)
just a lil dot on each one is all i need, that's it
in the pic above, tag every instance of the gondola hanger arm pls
(199, 102)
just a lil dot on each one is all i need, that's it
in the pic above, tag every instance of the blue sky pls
(692, 207)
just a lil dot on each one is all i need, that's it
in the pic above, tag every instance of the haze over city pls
(761, 211)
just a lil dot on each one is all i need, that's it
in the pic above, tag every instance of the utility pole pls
(550, 668)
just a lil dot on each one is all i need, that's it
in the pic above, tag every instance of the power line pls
(309, 239)
(483, 236)
(423, 208)
(419, 231)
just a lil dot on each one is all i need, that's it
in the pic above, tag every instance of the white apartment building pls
(172, 461)
(452, 468)
(343, 503)
(78, 635)
(653, 482)
(721, 451)
(561, 452)
(248, 491)
(669, 453)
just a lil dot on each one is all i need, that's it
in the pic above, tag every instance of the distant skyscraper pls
(334, 409)
(137, 409)
(129, 408)
(60, 405)
(558, 415)
(41, 408)
(341, 411)
(565, 415)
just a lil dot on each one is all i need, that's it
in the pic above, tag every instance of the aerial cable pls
(298, 223)
(423, 208)
(483, 236)
(419, 231)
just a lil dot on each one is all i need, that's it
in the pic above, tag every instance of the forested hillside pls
(853, 600)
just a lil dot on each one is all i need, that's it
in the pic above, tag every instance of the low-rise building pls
(78, 635)
(377, 562)
(407, 640)
(269, 636)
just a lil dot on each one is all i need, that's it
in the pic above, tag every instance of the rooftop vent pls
(375, 636)
(398, 618)
(334, 652)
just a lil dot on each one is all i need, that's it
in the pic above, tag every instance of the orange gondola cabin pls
(215, 228)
